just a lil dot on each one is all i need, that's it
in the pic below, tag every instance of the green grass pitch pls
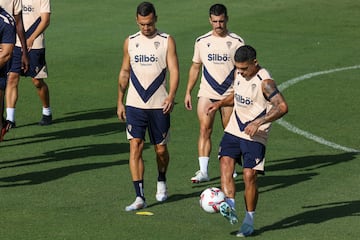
(71, 180)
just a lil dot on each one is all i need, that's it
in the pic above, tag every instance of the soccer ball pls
(210, 199)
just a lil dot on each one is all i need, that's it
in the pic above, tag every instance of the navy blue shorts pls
(8, 36)
(252, 153)
(3, 77)
(37, 68)
(157, 123)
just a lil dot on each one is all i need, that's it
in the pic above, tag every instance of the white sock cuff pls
(203, 163)
(10, 114)
(46, 111)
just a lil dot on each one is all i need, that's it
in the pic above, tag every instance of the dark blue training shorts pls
(138, 120)
(37, 68)
(252, 153)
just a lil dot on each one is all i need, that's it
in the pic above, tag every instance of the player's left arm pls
(6, 50)
(278, 109)
(123, 81)
(173, 68)
(20, 31)
(225, 102)
(44, 23)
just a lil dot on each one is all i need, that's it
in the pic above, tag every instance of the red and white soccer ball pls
(210, 199)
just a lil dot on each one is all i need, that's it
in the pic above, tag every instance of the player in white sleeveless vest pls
(7, 42)
(148, 62)
(14, 8)
(257, 102)
(214, 52)
(7, 37)
(148, 55)
(36, 17)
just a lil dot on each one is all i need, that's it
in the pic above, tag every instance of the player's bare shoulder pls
(236, 37)
(269, 87)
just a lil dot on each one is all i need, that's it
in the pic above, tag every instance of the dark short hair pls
(245, 53)
(218, 9)
(145, 9)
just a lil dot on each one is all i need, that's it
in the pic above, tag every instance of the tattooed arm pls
(279, 107)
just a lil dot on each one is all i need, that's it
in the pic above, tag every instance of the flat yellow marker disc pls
(145, 213)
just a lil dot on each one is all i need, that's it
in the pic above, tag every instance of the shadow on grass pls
(271, 182)
(70, 153)
(177, 197)
(93, 114)
(98, 130)
(76, 131)
(310, 163)
(40, 177)
(318, 214)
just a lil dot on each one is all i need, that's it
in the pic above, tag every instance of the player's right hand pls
(121, 112)
(187, 102)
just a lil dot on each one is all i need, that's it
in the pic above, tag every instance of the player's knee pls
(136, 144)
(227, 164)
(249, 175)
(205, 131)
(161, 150)
(38, 83)
(12, 82)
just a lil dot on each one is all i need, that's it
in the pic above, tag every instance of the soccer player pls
(148, 55)
(257, 103)
(36, 18)
(7, 42)
(7, 37)
(213, 54)
(14, 8)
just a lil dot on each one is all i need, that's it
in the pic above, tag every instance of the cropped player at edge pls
(7, 43)
(14, 9)
(36, 18)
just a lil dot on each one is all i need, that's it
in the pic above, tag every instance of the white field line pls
(306, 134)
